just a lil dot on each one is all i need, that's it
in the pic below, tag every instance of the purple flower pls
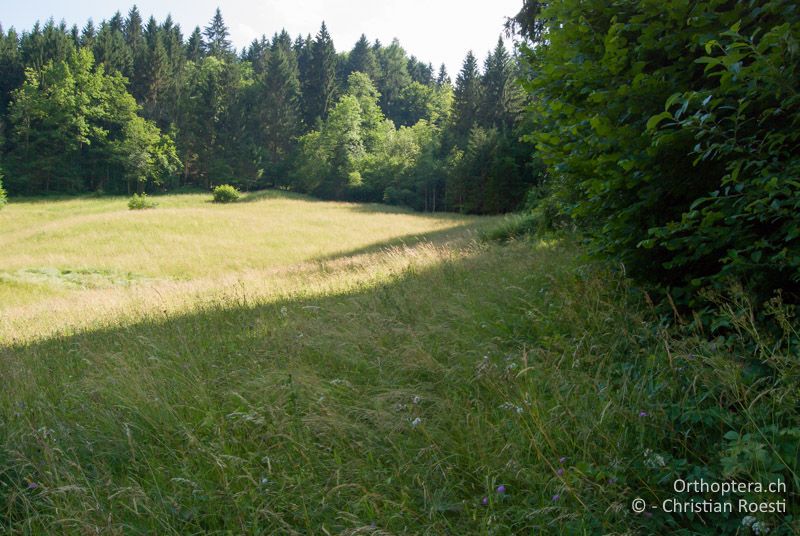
(612, 480)
(556, 497)
(485, 501)
(501, 489)
(562, 459)
(560, 472)
(643, 414)
(33, 485)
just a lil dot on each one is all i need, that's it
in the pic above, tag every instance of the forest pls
(133, 106)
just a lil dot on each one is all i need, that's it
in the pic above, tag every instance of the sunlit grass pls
(187, 236)
(74, 263)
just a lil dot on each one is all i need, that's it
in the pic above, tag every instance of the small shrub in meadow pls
(141, 202)
(3, 199)
(226, 194)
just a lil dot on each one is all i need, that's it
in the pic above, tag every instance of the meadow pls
(70, 263)
(287, 366)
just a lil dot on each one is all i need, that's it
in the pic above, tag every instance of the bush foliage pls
(141, 202)
(226, 194)
(672, 132)
(3, 199)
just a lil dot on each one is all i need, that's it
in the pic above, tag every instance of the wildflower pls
(760, 528)
(511, 407)
(560, 472)
(416, 422)
(416, 400)
(501, 489)
(653, 460)
(264, 481)
(485, 501)
(562, 459)
(612, 480)
(643, 414)
(556, 497)
(747, 521)
(33, 485)
(340, 381)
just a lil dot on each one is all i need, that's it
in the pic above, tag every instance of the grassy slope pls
(389, 393)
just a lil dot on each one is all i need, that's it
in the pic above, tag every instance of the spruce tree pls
(156, 75)
(320, 84)
(280, 111)
(110, 49)
(443, 79)
(496, 87)
(195, 46)
(88, 35)
(362, 59)
(134, 38)
(216, 34)
(467, 98)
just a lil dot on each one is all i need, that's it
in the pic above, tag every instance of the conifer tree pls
(320, 84)
(195, 46)
(362, 59)
(156, 75)
(496, 87)
(280, 115)
(216, 34)
(88, 35)
(443, 79)
(467, 98)
(134, 38)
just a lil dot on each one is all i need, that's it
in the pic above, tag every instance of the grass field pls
(72, 263)
(322, 368)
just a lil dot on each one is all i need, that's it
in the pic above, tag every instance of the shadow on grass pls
(460, 233)
(205, 397)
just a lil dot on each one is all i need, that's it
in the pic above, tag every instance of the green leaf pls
(653, 122)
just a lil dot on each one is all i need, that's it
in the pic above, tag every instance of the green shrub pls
(226, 194)
(140, 202)
(746, 227)
(3, 198)
(671, 129)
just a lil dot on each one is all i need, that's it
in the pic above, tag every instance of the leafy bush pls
(3, 198)
(748, 225)
(672, 130)
(226, 194)
(141, 202)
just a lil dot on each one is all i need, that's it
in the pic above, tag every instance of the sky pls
(436, 31)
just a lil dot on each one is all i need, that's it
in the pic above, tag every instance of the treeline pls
(132, 106)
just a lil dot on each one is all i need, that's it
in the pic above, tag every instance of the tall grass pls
(451, 388)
